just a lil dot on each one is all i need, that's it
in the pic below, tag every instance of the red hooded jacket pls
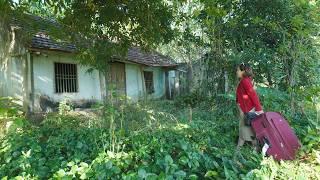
(247, 97)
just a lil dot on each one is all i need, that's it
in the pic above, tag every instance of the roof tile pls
(41, 40)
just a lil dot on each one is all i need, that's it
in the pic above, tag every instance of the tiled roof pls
(41, 40)
(152, 58)
(39, 28)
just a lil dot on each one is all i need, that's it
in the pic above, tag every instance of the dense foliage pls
(100, 30)
(193, 137)
(279, 39)
(152, 141)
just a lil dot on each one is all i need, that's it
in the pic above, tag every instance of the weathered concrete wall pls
(158, 80)
(134, 86)
(29, 77)
(44, 85)
(135, 82)
(13, 64)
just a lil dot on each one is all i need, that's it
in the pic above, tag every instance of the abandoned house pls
(41, 73)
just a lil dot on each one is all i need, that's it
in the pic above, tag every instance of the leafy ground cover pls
(150, 141)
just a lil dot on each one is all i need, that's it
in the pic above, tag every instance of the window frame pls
(76, 78)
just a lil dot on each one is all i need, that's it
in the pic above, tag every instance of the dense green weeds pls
(148, 140)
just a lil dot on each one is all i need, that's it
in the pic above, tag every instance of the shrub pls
(150, 140)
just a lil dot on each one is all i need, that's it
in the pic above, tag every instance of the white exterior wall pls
(43, 70)
(134, 86)
(16, 77)
(12, 79)
(135, 82)
(13, 65)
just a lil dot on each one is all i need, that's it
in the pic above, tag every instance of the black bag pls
(249, 117)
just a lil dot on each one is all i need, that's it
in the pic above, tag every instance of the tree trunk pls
(189, 78)
(269, 79)
(291, 84)
(103, 89)
(226, 82)
(190, 113)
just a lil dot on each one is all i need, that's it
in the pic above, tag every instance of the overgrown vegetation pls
(153, 140)
(193, 137)
(10, 115)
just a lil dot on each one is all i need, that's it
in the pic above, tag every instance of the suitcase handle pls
(264, 124)
(266, 141)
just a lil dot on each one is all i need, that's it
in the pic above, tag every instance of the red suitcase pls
(273, 129)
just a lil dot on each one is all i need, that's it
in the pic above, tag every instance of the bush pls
(11, 116)
(192, 99)
(150, 140)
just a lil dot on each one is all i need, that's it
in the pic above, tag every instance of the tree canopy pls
(275, 36)
(191, 136)
(108, 28)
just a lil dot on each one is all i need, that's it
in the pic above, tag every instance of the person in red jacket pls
(247, 101)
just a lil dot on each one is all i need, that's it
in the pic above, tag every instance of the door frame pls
(124, 71)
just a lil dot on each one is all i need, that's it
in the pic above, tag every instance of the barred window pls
(148, 79)
(66, 80)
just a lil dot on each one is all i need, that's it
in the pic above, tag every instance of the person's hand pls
(259, 112)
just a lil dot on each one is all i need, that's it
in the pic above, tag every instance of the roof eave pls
(117, 59)
(51, 49)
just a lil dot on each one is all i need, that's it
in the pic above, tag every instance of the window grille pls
(66, 80)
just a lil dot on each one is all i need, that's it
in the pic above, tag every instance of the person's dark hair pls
(247, 69)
